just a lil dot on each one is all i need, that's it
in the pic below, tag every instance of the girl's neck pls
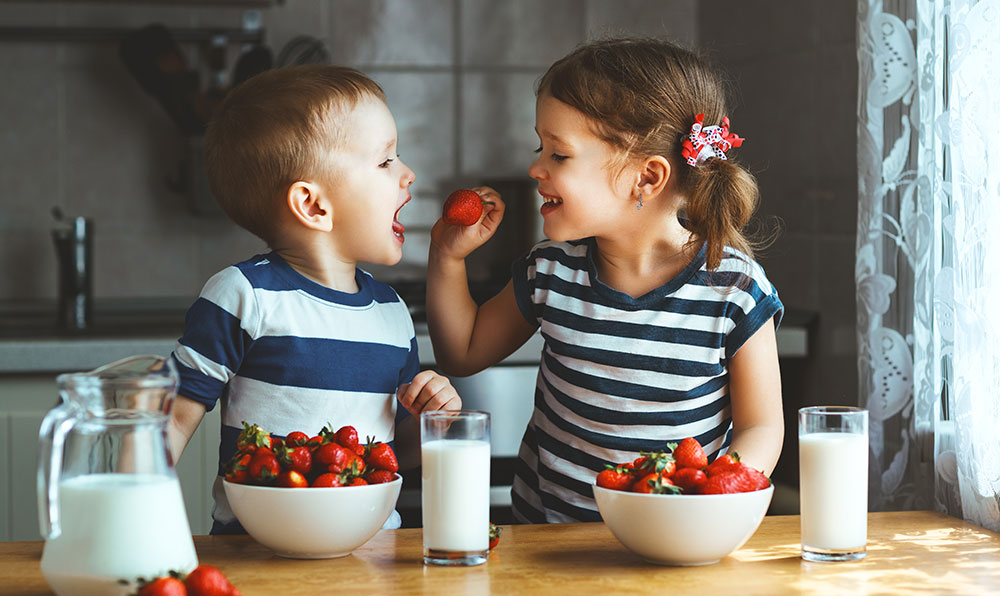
(640, 262)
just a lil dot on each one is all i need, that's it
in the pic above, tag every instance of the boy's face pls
(368, 185)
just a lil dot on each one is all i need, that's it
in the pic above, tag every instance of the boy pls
(305, 158)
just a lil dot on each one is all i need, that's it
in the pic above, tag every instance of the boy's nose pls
(408, 177)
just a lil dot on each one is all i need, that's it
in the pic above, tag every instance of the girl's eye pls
(555, 156)
(385, 164)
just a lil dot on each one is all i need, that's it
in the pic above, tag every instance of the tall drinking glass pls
(455, 462)
(833, 482)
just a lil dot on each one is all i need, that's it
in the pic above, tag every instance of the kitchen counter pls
(908, 552)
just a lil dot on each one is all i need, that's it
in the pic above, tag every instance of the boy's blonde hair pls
(642, 95)
(275, 129)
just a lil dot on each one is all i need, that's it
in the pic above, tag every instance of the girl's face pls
(582, 195)
(369, 187)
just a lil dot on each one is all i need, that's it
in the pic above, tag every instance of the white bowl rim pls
(683, 495)
(314, 489)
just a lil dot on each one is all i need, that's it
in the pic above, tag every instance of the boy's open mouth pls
(398, 228)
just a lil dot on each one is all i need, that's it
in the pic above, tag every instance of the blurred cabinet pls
(24, 401)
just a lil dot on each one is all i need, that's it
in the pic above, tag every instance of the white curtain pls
(928, 253)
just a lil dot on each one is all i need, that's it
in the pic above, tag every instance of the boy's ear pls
(308, 205)
(654, 175)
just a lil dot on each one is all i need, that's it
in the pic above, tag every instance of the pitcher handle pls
(51, 438)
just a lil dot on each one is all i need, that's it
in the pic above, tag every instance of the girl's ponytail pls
(722, 197)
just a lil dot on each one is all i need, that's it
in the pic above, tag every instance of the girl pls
(656, 319)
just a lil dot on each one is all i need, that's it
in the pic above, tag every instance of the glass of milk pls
(833, 482)
(455, 479)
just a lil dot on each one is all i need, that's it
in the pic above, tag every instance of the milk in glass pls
(456, 495)
(833, 486)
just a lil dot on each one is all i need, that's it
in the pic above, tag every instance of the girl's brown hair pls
(642, 96)
(276, 129)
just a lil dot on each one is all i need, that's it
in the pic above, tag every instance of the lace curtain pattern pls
(928, 254)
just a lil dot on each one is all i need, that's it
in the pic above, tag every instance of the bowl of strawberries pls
(674, 508)
(311, 497)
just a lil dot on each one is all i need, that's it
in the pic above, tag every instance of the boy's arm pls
(185, 416)
(755, 392)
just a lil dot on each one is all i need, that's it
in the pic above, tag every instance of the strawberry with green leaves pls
(494, 535)
(381, 456)
(615, 478)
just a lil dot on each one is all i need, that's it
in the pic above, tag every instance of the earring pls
(639, 206)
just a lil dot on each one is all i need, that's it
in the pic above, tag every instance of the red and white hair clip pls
(708, 141)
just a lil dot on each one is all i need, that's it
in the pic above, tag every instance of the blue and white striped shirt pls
(284, 352)
(619, 374)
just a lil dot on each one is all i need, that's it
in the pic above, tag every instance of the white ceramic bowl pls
(313, 523)
(682, 529)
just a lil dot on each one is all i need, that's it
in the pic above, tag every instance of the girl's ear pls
(654, 175)
(309, 207)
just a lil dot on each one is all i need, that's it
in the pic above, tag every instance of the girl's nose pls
(535, 171)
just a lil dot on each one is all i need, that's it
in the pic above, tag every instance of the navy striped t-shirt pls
(279, 350)
(619, 374)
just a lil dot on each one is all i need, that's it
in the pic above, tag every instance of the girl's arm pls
(468, 338)
(755, 391)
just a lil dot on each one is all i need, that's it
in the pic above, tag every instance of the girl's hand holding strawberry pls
(457, 241)
(427, 392)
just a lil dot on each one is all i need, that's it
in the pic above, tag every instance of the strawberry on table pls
(206, 580)
(163, 586)
(464, 207)
(494, 535)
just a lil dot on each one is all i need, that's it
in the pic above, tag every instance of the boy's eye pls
(385, 164)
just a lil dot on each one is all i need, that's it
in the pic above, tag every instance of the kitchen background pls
(78, 132)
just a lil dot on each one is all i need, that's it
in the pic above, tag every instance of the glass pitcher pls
(110, 505)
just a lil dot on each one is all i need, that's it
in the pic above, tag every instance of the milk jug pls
(110, 505)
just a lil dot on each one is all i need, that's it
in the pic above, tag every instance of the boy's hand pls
(456, 241)
(427, 392)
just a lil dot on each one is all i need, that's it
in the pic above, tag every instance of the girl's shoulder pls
(738, 272)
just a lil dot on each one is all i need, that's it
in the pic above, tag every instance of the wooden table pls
(908, 552)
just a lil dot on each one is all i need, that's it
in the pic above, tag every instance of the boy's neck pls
(322, 267)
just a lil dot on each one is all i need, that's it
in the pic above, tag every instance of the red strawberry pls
(163, 586)
(237, 470)
(264, 468)
(689, 454)
(494, 535)
(296, 439)
(252, 436)
(315, 443)
(615, 478)
(689, 479)
(655, 484)
(292, 479)
(347, 436)
(299, 459)
(380, 476)
(206, 580)
(357, 481)
(464, 207)
(332, 457)
(723, 463)
(740, 479)
(381, 456)
(327, 480)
